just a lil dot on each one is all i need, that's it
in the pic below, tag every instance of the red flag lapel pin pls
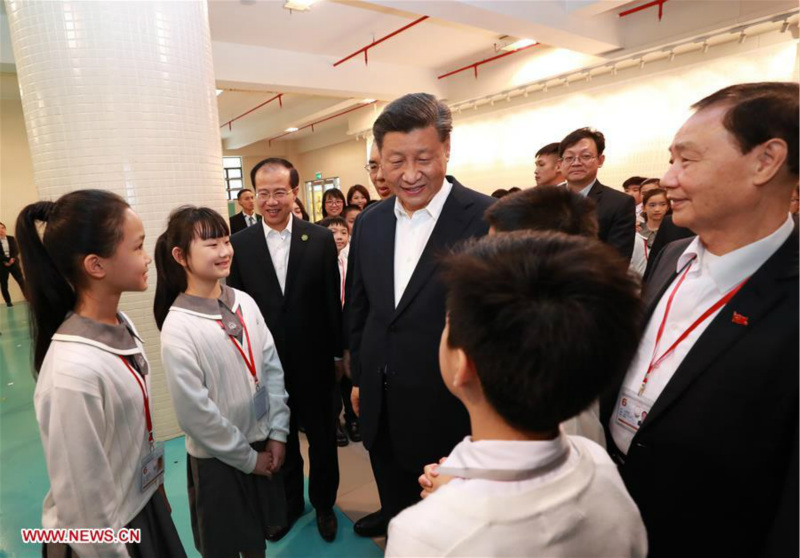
(738, 319)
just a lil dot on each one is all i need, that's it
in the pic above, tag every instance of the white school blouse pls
(92, 423)
(554, 498)
(210, 384)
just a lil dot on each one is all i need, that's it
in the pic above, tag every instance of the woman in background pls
(358, 195)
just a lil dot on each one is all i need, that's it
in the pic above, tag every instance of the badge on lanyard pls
(152, 466)
(632, 409)
(260, 402)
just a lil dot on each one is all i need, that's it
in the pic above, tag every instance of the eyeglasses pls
(277, 195)
(371, 167)
(584, 158)
(333, 201)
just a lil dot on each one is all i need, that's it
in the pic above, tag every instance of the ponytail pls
(185, 223)
(78, 224)
(171, 280)
(49, 294)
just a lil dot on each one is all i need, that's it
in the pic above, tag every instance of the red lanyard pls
(251, 364)
(645, 248)
(342, 271)
(656, 362)
(148, 419)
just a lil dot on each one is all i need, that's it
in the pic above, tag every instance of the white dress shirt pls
(6, 248)
(561, 497)
(411, 236)
(709, 278)
(249, 220)
(279, 244)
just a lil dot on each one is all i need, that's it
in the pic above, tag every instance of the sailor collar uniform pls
(90, 410)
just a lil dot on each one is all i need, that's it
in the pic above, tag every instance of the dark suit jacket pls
(238, 223)
(402, 345)
(13, 250)
(306, 320)
(667, 232)
(616, 215)
(714, 466)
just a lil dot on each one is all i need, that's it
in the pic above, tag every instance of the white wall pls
(639, 115)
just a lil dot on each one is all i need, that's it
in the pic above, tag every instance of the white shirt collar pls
(434, 207)
(505, 460)
(269, 230)
(734, 267)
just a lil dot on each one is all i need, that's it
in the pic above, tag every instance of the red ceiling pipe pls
(659, 3)
(379, 41)
(351, 109)
(486, 61)
(280, 102)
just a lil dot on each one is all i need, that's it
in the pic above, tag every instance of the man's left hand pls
(278, 451)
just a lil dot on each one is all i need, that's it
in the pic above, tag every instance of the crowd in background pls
(568, 370)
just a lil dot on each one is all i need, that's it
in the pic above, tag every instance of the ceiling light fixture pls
(516, 45)
(368, 101)
(292, 129)
(298, 5)
(219, 92)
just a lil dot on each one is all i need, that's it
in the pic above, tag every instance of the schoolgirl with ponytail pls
(226, 383)
(93, 386)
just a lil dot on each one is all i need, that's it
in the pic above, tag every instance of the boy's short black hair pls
(337, 220)
(544, 208)
(349, 209)
(548, 319)
(633, 181)
(549, 149)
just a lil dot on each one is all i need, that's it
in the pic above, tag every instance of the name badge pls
(632, 409)
(152, 466)
(260, 402)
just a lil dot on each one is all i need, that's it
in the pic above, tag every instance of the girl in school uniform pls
(92, 391)
(226, 381)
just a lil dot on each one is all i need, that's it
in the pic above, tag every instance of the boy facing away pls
(538, 325)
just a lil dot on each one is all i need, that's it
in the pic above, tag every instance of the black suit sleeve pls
(622, 232)
(333, 301)
(234, 280)
(357, 307)
(782, 538)
(13, 249)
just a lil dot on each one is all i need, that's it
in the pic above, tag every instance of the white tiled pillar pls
(120, 95)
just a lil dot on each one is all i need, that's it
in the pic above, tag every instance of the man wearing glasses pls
(373, 167)
(290, 267)
(581, 155)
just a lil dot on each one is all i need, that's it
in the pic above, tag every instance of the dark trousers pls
(312, 409)
(397, 487)
(342, 400)
(16, 273)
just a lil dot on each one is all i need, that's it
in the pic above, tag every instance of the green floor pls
(23, 475)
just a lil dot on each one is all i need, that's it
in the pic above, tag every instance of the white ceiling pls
(261, 49)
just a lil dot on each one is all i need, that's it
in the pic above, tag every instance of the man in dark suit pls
(582, 156)
(290, 268)
(247, 217)
(704, 425)
(396, 306)
(9, 252)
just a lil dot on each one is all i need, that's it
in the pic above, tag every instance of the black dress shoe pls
(353, 431)
(275, 534)
(327, 525)
(372, 525)
(341, 438)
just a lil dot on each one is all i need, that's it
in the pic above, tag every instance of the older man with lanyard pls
(704, 425)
